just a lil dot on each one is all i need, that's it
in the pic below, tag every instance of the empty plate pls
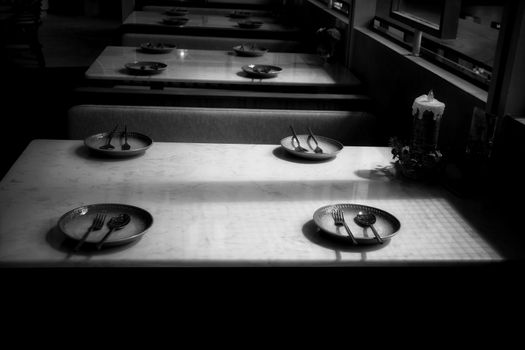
(157, 47)
(386, 224)
(329, 147)
(261, 70)
(250, 50)
(76, 222)
(146, 67)
(175, 21)
(250, 24)
(139, 144)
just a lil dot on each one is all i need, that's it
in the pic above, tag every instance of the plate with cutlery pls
(261, 70)
(146, 67)
(118, 143)
(249, 50)
(358, 223)
(157, 47)
(103, 225)
(311, 146)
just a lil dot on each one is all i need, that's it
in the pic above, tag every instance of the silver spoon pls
(108, 144)
(114, 223)
(368, 220)
(299, 148)
(317, 148)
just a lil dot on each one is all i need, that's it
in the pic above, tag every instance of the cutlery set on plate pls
(357, 220)
(311, 136)
(319, 147)
(125, 146)
(362, 219)
(104, 225)
(130, 143)
(115, 223)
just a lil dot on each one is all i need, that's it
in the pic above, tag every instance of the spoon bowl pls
(115, 223)
(364, 219)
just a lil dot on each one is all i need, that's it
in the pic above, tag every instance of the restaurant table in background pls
(301, 72)
(209, 11)
(208, 25)
(231, 205)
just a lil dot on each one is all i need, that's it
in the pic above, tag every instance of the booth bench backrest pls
(221, 125)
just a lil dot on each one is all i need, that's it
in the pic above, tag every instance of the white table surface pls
(221, 67)
(225, 204)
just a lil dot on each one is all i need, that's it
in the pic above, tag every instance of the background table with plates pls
(300, 72)
(230, 205)
(208, 24)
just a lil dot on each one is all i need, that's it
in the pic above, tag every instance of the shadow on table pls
(337, 243)
(243, 74)
(378, 173)
(59, 241)
(86, 153)
(281, 153)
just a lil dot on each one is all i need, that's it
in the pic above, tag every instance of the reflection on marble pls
(221, 67)
(223, 204)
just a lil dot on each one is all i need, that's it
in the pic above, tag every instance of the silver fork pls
(299, 148)
(339, 219)
(97, 224)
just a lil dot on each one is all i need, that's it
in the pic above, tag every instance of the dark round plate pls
(175, 21)
(177, 12)
(249, 50)
(261, 70)
(157, 47)
(146, 67)
(76, 222)
(329, 147)
(250, 24)
(139, 144)
(240, 14)
(387, 225)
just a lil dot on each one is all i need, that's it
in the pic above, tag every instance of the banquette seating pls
(222, 125)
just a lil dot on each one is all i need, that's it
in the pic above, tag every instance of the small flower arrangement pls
(414, 163)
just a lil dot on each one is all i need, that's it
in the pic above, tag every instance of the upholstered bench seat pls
(221, 125)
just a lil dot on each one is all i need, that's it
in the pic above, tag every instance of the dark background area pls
(35, 100)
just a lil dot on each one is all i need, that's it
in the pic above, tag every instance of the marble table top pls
(299, 70)
(226, 205)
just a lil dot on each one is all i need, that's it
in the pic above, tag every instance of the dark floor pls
(37, 100)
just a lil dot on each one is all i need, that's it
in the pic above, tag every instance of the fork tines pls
(96, 225)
